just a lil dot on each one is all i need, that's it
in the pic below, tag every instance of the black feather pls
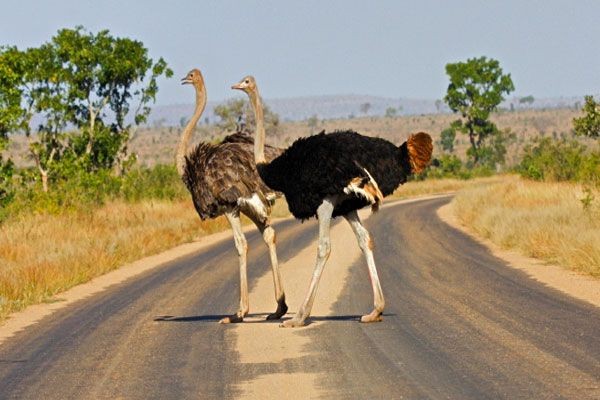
(319, 166)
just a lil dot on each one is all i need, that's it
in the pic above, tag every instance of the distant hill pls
(345, 106)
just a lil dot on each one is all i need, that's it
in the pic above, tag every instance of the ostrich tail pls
(420, 147)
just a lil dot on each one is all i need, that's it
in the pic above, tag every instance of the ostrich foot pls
(293, 323)
(374, 316)
(233, 319)
(280, 312)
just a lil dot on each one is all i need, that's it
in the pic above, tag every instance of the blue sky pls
(302, 48)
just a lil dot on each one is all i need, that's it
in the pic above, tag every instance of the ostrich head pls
(194, 77)
(248, 84)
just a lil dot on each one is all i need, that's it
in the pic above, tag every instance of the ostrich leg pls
(366, 245)
(268, 234)
(324, 213)
(242, 247)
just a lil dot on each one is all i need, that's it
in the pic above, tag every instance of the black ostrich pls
(335, 174)
(223, 180)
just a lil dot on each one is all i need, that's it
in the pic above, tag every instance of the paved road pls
(459, 324)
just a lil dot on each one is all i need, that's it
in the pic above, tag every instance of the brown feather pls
(420, 148)
(218, 175)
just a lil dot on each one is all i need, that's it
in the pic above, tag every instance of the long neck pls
(259, 139)
(189, 128)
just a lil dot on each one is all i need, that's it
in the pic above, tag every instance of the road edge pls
(569, 282)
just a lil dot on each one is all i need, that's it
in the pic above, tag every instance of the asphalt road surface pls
(459, 324)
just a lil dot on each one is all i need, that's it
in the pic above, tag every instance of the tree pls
(589, 124)
(390, 112)
(11, 113)
(438, 105)
(6, 174)
(237, 115)
(476, 88)
(527, 100)
(99, 84)
(447, 139)
(313, 123)
(11, 72)
(101, 72)
(365, 107)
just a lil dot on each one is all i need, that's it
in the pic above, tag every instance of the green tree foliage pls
(391, 112)
(476, 88)
(11, 114)
(237, 115)
(11, 79)
(527, 100)
(589, 124)
(447, 138)
(6, 174)
(493, 154)
(552, 160)
(87, 83)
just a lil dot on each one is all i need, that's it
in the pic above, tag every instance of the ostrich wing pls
(219, 175)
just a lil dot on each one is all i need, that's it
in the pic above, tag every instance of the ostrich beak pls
(237, 86)
(185, 81)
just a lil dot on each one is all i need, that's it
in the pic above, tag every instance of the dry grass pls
(543, 220)
(440, 186)
(41, 255)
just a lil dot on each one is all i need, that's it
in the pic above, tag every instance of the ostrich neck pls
(189, 128)
(259, 140)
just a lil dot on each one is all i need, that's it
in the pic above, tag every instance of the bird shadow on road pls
(250, 318)
(258, 318)
(341, 318)
(191, 318)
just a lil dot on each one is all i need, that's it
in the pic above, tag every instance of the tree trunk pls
(88, 147)
(44, 175)
(474, 145)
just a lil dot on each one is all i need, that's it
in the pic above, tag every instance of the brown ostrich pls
(335, 174)
(223, 180)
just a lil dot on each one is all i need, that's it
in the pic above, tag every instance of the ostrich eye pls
(246, 81)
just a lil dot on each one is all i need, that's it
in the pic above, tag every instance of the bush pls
(552, 160)
(161, 182)
(80, 190)
(6, 184)
(450, 166)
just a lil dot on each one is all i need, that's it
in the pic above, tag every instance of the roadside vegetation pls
(43, 254)
(435, 186)
(558, 222)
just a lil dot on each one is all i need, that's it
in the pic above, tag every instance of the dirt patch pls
(576, 285)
